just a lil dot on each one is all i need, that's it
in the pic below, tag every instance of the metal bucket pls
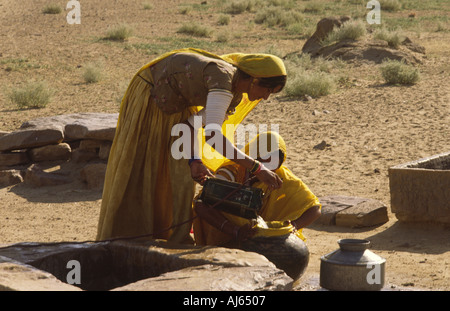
(352, 267)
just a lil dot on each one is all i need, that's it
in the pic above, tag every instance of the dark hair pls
(273, 82)
(270, 83)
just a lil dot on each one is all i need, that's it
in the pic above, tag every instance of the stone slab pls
(420, 190)
(348, 211)
(365, 214)
(30, 138)
(215, 278)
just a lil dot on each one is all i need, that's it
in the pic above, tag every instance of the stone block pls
(365, 214)
(348, 211)
(51, 153)
(13, 158)
(333, 204)
(420, 190)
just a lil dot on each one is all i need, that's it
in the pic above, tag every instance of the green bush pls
(195, 30)
(390, 5)
(240, 6)
(353, 30)
(277, 16)
(393, 38)
(223, 20)
(398, 72)
(119, 33)
(92, 73)
(312, 83)
(31, 95)
(52, 9)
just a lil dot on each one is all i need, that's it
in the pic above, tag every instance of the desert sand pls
(369, 126)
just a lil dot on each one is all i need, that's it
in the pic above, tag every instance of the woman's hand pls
(200, 172)
(271, 179)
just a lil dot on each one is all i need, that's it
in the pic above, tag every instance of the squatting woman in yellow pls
(147, 189)
(289, 208)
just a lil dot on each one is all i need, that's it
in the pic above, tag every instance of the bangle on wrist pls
(256, 167)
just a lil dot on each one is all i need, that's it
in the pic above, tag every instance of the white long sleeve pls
(213, 116)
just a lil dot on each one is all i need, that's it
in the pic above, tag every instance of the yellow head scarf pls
(265, 145)
(257, 65)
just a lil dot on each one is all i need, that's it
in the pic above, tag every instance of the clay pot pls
(287, 252)
(352, 267)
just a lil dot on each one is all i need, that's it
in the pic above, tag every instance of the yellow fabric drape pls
(279, 205)
(146, 190)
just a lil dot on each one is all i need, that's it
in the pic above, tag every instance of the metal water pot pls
(352, 267)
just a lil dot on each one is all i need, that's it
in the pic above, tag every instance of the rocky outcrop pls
(83, 138)
(366, 49)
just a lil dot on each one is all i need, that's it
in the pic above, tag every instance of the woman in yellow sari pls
(148, 191)
(292, 206)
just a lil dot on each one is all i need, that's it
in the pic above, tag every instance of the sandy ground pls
(369, 126)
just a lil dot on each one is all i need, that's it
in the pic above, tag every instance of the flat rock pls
(214, 278)
(348, 211)
(79, 125)
(99, 126)
(13, 158)
(365, 214)
(30, 138)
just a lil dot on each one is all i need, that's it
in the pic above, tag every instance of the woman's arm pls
(307, 218)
